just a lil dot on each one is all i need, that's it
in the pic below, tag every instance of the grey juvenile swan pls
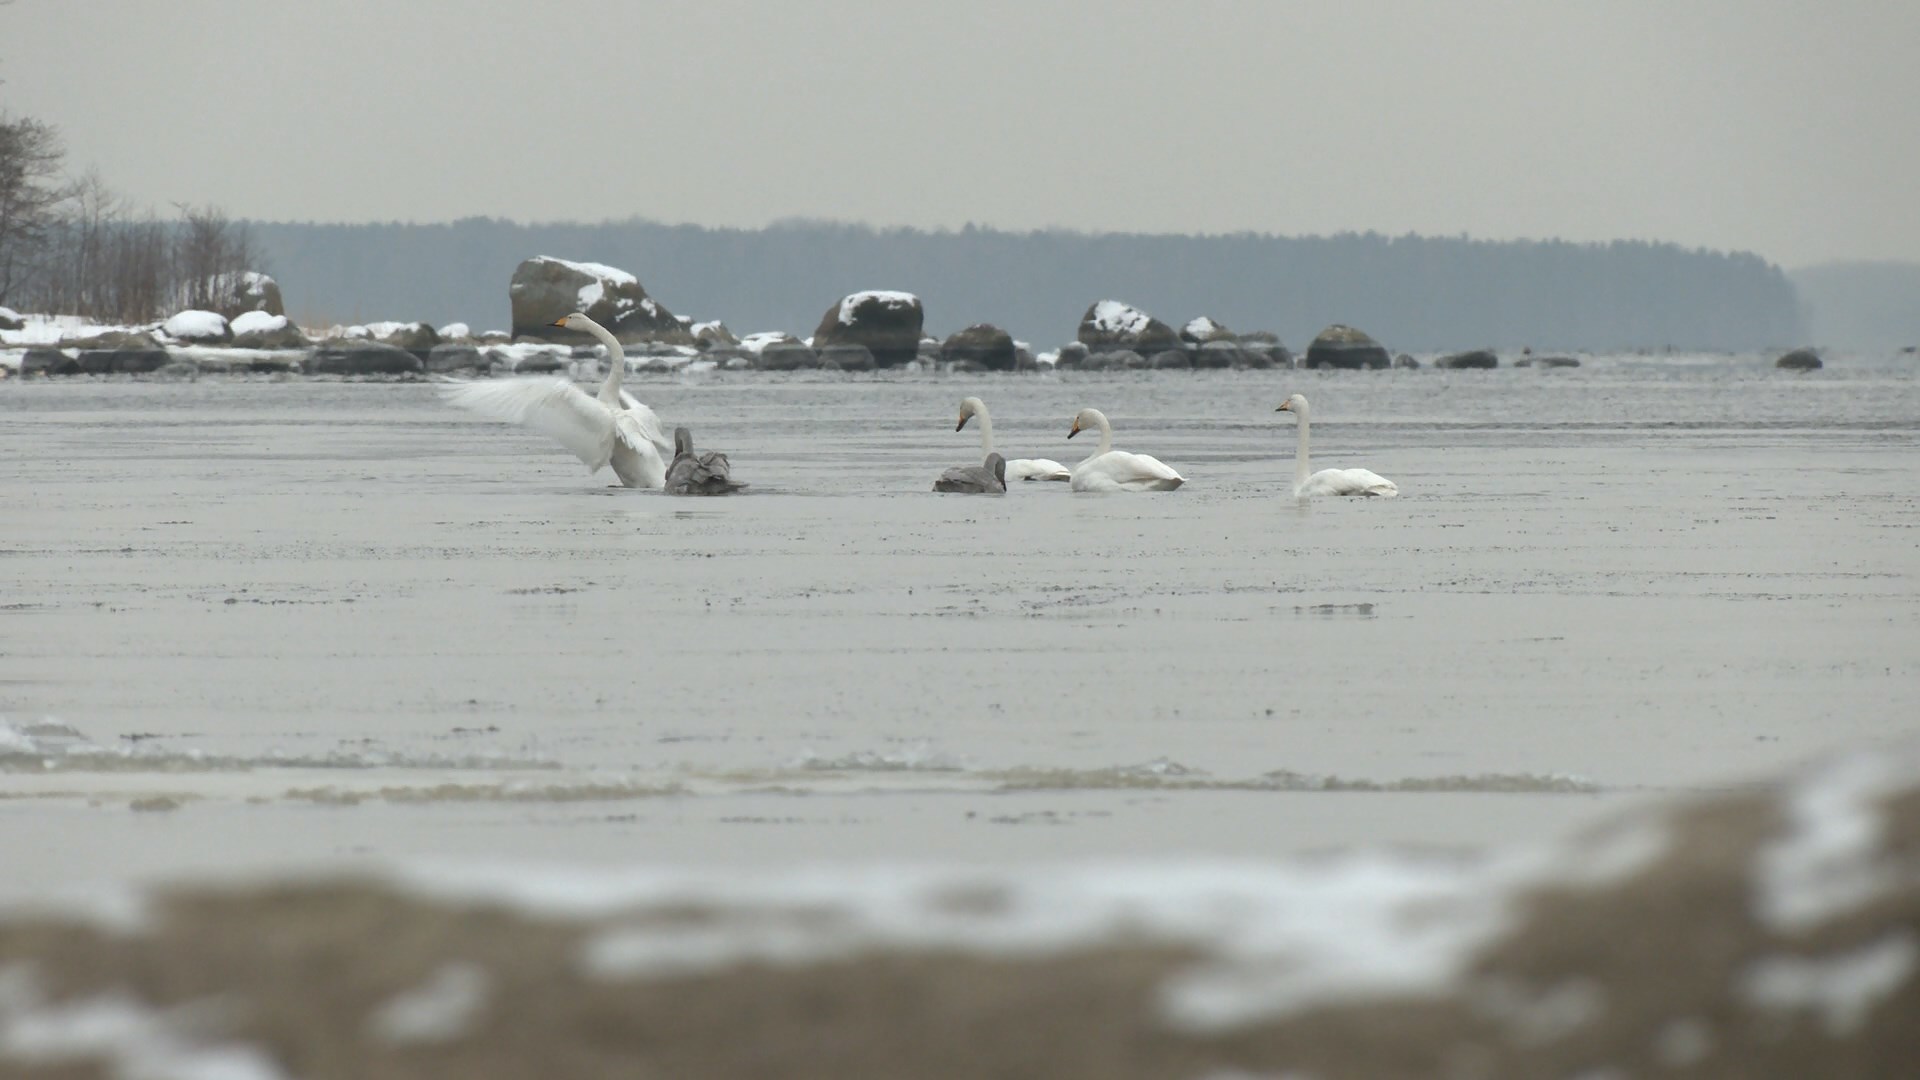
(697, 474)
(987, 479)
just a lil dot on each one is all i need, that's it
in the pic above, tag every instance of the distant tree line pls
(75, 247)
(1410, 292)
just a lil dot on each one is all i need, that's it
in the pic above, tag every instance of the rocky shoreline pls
(860, 332)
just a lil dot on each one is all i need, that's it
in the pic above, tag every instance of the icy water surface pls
(322, 621)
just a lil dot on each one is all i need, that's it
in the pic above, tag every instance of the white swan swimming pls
(1018, 468)
(1330, 481)
(1116, 470)
(611, 428)
(987, 479)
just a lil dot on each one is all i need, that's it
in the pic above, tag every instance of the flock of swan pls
(613, 428)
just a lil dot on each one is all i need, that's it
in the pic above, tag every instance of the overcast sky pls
(1780, 127)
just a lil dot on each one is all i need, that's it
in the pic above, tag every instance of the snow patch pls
(1826, 865)
(885, 297)
(195, 324)
(257, 322)
(756, 342)
(1200, 327)
(1843, 989)
(442, 1009)
(455, 330)
(1114, 317)
(117, 1030)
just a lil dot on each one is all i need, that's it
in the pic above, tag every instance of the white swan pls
(1018, 468)
(610, 429)
(1116, 470)
(1330, 481)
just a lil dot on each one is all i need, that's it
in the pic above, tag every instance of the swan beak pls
(961, 424)
(1283, 408)
(562, 321)
(1075, 431)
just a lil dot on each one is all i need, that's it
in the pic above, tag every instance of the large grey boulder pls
(415, 337)
(1116, 360)
(122, 361)
(1071, 355)
(712, 335)
(847, 358)
(1203, 329)
(1340, 346)
(545, 289)
(786, 356)
(1111, 326)
(984, 344)
(260, 330)
(1170, 358)
(48, 361)
(11, 320)
(198, 328)
(888, 323)
(248, 290)
(456, 357)
(1799, 360)
(1476, 358)
(362, 358)
(1221, 353)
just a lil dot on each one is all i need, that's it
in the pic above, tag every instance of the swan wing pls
(969, 480)
(1349, 482)
(649, 423)
(1118, 470)
(635, 459)
(1037, 469)
(553, 407)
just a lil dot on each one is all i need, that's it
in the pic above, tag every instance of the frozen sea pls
(248, 625)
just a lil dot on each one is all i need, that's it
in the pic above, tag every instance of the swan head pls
(682, 441)
(1087, 418)
(1294, 404)
(576, 321)
(969, 408)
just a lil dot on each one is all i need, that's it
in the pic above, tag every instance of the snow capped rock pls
(198, 326)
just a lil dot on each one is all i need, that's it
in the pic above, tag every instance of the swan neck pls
(618, 356)
(1106, 434)
(986, 431)
(1300, 468)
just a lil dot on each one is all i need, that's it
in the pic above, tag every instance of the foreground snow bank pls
(1772, 931)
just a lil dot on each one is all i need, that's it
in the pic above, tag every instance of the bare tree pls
(31, 194)
(210, 256)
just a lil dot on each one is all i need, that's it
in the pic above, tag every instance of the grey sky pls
(1780, 127)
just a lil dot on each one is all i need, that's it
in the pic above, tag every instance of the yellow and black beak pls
(561, 321)
(961, 424)
(1284, 407)
(1075, 431)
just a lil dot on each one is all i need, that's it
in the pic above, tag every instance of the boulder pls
(452, 357)
(11, 320)
(1547, 362)
(1118, 360)
(1799, 360)
(847, 358)
(248, 290)
(198, 328)
(1201, 330)
(1170, 358)
(544, 289)
(1219, 353)
(259, 330)
(123, 361)
(1405, 361)
(1071, 355)
(455, 331)
(1340, 346)
(786, 356)
(1023, 358)
(411, 336)
(362, 358)
(887, 323)
(1477, 358)
(983, 343)
(520, 362)
(1110, 325)
(48, 361)
(709, 335)
(755, 342)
